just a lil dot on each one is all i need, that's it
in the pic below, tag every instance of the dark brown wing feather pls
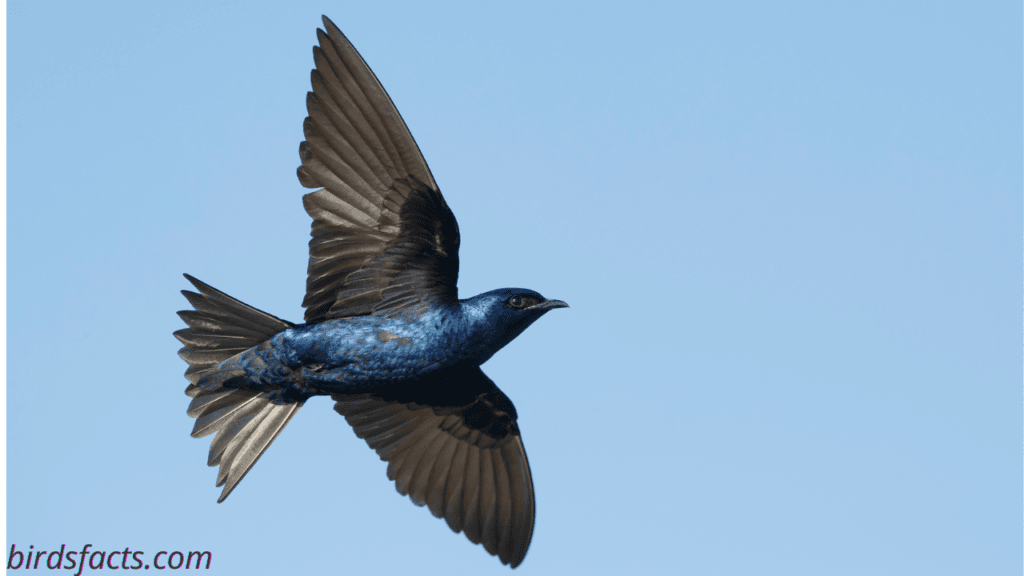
(452, 443)
(383, 238)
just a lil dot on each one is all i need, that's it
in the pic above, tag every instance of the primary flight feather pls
(385, 334)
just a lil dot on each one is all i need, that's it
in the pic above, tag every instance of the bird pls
(385, 334)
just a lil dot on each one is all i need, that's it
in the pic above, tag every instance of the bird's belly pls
(360, 354)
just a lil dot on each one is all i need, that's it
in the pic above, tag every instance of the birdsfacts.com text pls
(126, 559)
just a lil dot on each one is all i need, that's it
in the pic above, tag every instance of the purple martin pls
(385, 333)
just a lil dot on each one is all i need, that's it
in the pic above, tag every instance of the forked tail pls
(247, 421)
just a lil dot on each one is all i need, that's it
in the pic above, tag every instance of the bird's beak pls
(549, 305)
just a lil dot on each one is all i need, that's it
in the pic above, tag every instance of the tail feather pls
(215, 409)
(246, 447)
(246, 421)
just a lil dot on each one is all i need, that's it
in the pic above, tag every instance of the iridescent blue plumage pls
(385, 334)
(365, 353)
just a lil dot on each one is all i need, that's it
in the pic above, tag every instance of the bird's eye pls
(520, 301)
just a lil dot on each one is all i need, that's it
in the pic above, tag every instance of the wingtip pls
(195, 281)
(199, 284)
(328, 24)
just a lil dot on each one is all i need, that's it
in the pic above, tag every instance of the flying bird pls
(385, 333)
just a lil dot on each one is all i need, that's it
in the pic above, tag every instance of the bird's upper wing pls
(383, 238)
(452, 443)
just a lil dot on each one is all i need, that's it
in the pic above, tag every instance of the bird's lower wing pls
(452, 443)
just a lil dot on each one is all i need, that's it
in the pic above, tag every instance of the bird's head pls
(501, 315)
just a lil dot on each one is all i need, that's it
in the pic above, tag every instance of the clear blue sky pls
(790, 236)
